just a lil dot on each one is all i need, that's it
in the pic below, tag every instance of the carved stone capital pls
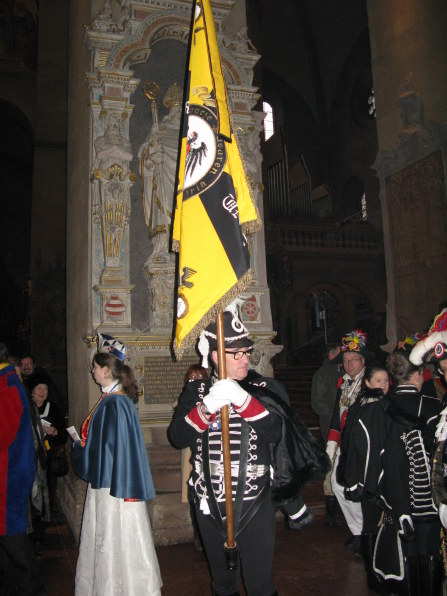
(263, 353)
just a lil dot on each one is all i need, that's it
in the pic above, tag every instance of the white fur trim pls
(426, 345)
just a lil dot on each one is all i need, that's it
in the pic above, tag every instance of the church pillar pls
(408, 50)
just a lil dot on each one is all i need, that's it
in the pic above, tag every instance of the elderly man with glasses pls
(259, 420)
(353, 348)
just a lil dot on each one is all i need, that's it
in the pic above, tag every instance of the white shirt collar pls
(347, 377)
(115, 386)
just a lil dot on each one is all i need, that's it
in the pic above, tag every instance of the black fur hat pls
(37, 379)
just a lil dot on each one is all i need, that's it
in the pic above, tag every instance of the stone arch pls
(324, 300)
(357, 309)
(169, 25)
(349, 306)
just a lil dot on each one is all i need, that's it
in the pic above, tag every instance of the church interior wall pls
(296, 123)
(19, 89)
(319, 38)
(334, 144)
(352, 139)
(408, 48)
(408, 40)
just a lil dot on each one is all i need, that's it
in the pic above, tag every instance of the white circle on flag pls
(200, 151)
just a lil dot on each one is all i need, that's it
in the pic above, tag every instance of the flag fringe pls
(251, 227)
(190, 340)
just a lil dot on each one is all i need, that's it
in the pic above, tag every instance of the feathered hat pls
(354, 341)
(406, 345)
(109, 345)
(236, 334)
(432, 346)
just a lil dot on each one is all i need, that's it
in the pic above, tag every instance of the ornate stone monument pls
(138, 53)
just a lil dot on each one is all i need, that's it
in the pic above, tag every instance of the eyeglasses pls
(238, 355)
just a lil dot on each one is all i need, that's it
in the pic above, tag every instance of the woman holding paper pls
(53, 426)
(116, 554)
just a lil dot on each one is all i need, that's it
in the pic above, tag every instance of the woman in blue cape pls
(116, 553)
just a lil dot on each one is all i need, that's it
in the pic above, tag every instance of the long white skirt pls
(116, 553)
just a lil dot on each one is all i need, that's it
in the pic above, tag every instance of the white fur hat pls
(432, 347)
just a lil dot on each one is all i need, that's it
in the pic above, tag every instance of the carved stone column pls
(111, 179)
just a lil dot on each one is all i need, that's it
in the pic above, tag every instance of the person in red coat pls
(18, 565)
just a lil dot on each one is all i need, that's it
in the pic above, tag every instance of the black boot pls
(374, 581)
(331, 509)
(430, 575)
(218, 594)
(301, 522)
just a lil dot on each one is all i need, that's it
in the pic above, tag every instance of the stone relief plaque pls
(415, 199)
(163, 378)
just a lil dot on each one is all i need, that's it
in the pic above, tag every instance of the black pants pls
(255, 543)
(18, 566)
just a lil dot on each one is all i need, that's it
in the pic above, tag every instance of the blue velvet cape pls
(114, 455)
(17, 458)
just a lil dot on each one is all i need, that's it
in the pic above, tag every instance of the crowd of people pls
(384, 424)
(386, 442)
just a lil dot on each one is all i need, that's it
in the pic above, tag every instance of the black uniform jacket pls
(296, 456)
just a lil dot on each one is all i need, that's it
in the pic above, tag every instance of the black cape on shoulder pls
(297, 457)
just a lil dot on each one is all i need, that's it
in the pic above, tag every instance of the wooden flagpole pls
(231, 549)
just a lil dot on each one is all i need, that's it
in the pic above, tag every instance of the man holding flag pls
(235, 426)
(213, 213)
(197, 424)
(273, 456)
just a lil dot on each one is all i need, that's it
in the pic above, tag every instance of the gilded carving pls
(111, 197)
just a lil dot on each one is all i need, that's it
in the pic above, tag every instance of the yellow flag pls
(214, 206)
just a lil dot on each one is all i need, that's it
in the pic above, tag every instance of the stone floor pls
(312, 561)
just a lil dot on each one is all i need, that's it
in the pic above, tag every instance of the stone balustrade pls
(359, 239)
